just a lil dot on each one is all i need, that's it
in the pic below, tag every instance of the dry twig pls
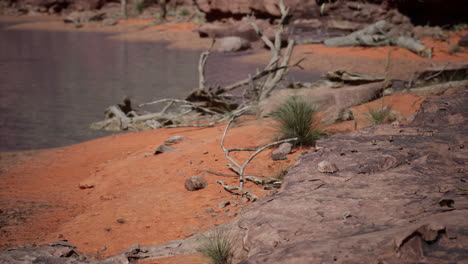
(234, 165)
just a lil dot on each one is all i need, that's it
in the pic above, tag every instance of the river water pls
(54, 84)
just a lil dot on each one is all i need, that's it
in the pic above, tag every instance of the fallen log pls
(378, 34)
(115, 111)
(433, 89)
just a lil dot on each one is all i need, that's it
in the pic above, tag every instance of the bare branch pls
(235, 166)
(167, 107)
(202, 65)
(228, 188)
(190, 104)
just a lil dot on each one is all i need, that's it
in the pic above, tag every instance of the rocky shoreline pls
(398, 196)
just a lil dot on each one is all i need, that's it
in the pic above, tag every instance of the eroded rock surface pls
(400, 196)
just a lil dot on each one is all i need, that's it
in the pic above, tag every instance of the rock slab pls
(392, 201)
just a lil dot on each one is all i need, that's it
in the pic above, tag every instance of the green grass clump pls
(139, 6)
(218, 247)
(297, 118)
(454, 49)
(183, 12)
(381, 115)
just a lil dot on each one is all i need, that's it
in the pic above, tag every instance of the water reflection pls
(53, 84)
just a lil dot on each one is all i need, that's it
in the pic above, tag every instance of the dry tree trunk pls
(163, 4)
(123, 8)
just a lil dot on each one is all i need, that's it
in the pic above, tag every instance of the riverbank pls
(128, 197)
(42, 200)
(318, 58)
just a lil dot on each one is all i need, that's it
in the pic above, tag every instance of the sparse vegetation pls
(218, 247)
(297, 118)
(459, 27)
(199, 18)
(455, 48)
(183, 12)
(381, 115)
(280, 174)
(139, 6)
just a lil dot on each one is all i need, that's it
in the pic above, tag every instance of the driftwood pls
(208, 106)
(376, 35)
(351, 78)
(433, 89)
(115, 111)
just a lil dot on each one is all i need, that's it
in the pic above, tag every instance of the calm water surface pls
(54, 84)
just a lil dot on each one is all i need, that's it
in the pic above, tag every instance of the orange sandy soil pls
(148, 191)
(318, 58)
(402, 63)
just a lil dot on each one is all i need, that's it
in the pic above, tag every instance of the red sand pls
(148, 192)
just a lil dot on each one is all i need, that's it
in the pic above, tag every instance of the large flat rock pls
(399, 196)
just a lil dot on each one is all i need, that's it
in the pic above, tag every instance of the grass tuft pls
(139, 6)
(297, 118)
(381, 115)
(218, 247)
(455, 48)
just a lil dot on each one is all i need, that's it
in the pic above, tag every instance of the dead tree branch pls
(211, 106)
(234, 165)
(202, 65)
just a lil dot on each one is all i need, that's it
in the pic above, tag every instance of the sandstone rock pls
(331, 101)
(242, 29)
(223, 204)
(163, 149)
(463, 42)
(400, 177)
(86, 185)
(110, 22)
(327, 167)
(233, 44)
(84, 17)
(345, 115)
(281, 152)
(195, 183)
(175, 139)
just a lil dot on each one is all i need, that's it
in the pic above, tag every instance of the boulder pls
(331, 101)
(174, 139)
(84, 17)
(195, 183)
(110, 22)
(396, 201)
(281, 153)
(163, 149)
(326, 167)
(233, 44)
(230, 28)
(463, 42)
